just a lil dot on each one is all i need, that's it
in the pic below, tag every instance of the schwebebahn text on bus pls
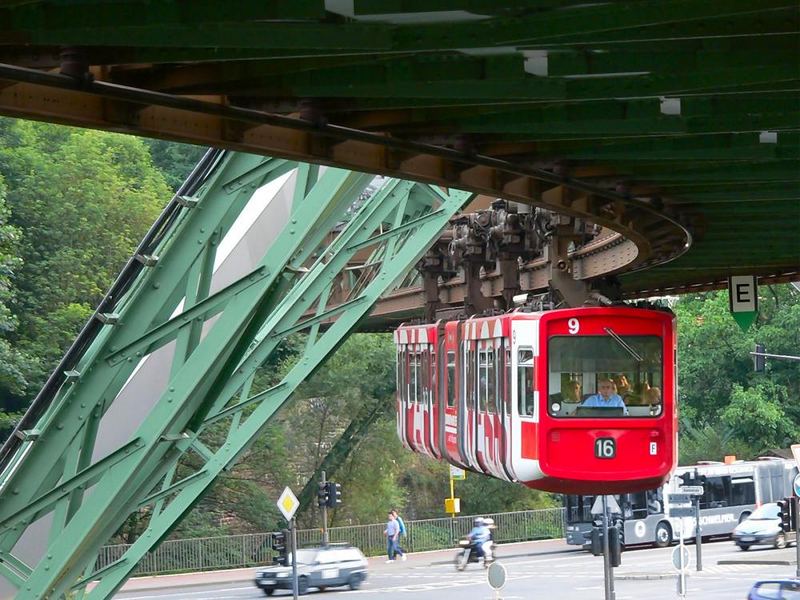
(517, 396)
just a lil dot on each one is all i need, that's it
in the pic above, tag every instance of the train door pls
(482, 426)
(468, 408)
(508, 409)
(402, 393)
(503, 420)
(431, 401)
(525, 419)
(450, 393)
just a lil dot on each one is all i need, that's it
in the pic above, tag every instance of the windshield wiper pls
(624, 344)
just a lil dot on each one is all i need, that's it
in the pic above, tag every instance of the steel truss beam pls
(208, 413)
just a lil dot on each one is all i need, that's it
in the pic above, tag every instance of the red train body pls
(515, 396)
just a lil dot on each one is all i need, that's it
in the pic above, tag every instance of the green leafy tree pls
(725, 406)
(15, 366)
(81, 201)
(175, 160)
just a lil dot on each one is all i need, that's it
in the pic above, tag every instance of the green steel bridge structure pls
(639, 148)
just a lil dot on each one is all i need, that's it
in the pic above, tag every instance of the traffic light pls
(759, 361)
(280, 544)
(595, 541)
(322, 494)
(334, 494)
(615, 544)
(692, 478)
(784, 515)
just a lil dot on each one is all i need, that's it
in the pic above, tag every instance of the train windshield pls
(605, 376)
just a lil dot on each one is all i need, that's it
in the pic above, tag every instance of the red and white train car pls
(518, 396)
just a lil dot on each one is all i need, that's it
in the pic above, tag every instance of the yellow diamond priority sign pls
(288, 504)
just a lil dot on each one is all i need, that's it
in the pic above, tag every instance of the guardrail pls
(250, 550)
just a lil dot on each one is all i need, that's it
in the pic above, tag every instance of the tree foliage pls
(722, 399)
(80, 201)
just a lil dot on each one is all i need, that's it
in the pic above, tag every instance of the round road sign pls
(496, 576)
(797, 485)
(676, 557)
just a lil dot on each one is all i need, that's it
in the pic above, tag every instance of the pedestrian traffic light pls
(280, 540)
(322, 494)
(334, 493)
(759, 360)
(784, 515)
(615, 544)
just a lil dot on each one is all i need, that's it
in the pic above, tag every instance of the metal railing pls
(250, 550)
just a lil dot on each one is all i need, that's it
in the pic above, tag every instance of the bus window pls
(451, 379)
(619, 375)
(743, 491)
(525, 382)
(491, 382)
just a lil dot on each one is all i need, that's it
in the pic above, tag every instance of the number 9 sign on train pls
(577, 400)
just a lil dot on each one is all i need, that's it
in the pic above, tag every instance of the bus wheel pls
(663, 535)
(780, 541)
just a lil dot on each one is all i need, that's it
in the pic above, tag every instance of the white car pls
(324, 567)
(763, 527)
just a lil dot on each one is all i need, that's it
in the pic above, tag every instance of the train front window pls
(608, 375)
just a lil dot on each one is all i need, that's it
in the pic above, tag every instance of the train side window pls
(451, 379)
(525, 382)
(469, 379)
(402, 365)
(416, 378)
(482, 379)
(508, 382)
(491, 382)
(425, 392)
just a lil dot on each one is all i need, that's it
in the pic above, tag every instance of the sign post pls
(695, 491)
(452, 504)
(601, 506)
(496, 578)
(288, 505)
(796, 501)
(743, 299)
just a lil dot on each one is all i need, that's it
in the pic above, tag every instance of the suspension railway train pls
(507, 396)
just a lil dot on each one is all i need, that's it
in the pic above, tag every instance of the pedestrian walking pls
(402, 527)
(392, 532)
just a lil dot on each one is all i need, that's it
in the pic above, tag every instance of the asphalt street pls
(534, 570)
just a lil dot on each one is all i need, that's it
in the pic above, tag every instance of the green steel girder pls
(392, 268)
(252, 316)
(141, 13)
(153, 294)
(630, 20)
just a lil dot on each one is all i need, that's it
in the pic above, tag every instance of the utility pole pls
(293, 527)
(607, 570)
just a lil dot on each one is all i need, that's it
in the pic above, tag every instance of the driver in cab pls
(606, 397)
